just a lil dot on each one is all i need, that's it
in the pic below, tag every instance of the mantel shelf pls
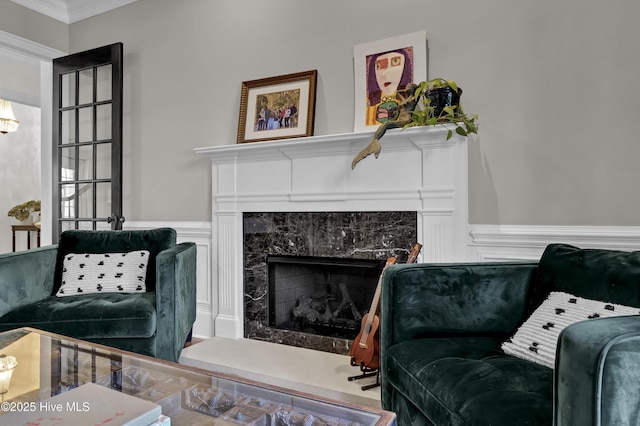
(343, 143)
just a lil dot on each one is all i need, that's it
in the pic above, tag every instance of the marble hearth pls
(418, 172)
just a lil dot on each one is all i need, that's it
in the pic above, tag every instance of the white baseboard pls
(520, 242)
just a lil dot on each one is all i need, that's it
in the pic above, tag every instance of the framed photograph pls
(382, 68)
(277, 107)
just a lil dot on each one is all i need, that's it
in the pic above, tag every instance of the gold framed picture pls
(277, 107)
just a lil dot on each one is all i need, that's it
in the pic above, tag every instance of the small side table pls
(28, 229)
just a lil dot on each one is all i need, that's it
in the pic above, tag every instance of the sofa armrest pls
(596, 373)
(175, 298)
(421, 300)
(26, 277)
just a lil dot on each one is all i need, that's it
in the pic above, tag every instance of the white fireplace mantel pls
(417, 170)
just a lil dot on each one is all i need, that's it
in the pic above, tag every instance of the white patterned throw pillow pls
(104, 273)
(537, 337)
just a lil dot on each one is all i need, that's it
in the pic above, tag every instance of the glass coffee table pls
(50, 365)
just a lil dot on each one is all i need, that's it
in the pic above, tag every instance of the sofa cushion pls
(607, 275)
(86, 241)
(100, 315)
(470, 380)
(537, 338)
(103, 273)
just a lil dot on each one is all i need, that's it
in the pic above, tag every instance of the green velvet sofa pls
(442, 327)
(155, 322)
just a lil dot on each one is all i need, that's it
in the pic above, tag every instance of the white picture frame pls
(412, 47)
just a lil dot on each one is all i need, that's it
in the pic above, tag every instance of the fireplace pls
(325, 296)
(322, 250)
(418, 171)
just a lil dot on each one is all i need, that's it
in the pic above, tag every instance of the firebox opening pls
(326, 296)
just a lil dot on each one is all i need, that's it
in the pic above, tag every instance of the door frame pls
(92, 59)
(22, 47)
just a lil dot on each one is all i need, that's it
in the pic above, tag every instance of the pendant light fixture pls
(7, 364)
(8, 122)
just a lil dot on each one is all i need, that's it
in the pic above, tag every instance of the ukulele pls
(365, 350)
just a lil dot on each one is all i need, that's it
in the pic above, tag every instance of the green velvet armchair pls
(155, 321)
(443, 326)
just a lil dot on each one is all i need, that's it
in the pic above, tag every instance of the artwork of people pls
(387, 74)
(277, 110)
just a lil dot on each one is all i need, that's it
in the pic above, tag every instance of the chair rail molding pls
(527, 242)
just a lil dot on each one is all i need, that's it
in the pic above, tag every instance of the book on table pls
(87, 404)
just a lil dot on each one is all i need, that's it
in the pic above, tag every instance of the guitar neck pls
(415, 251)
(413, 256)
(376, 296)
(374, 304)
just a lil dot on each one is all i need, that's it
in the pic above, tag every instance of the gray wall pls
(555, 85)
(28, 24)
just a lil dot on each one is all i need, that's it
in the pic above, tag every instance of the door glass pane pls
(68, 127)
(85, 200)
(67, 201)
(103, 200)
(67, 225)
(103, 78)
(67, 164)
(85, 225)
(86, 124)
(85, 88)
(68, 88)
(85, 162)
(103, 122)
(103, 161)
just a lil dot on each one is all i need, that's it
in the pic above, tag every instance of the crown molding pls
(70, 11)
(11, 44)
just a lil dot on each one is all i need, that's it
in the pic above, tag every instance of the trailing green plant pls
(24, 210)
(425, 112)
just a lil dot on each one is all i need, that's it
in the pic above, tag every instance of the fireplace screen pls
(321, 295)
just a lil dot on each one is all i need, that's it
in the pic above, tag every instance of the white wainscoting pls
(514, 242)
(200, 234)
(486, 243)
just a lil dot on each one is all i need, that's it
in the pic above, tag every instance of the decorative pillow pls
(109, 272)
(537, 337)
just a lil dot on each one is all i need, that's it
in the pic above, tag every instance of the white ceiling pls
(70, 11)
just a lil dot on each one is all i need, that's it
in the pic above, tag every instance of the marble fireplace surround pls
(332, 237)
(417, 171)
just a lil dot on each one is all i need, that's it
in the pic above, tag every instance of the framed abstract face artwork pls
(382, 68)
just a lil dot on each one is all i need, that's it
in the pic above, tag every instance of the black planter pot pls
(442, 97)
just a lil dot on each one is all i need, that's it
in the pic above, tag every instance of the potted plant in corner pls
(429, 103)
(23, 211)
(439, 104)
